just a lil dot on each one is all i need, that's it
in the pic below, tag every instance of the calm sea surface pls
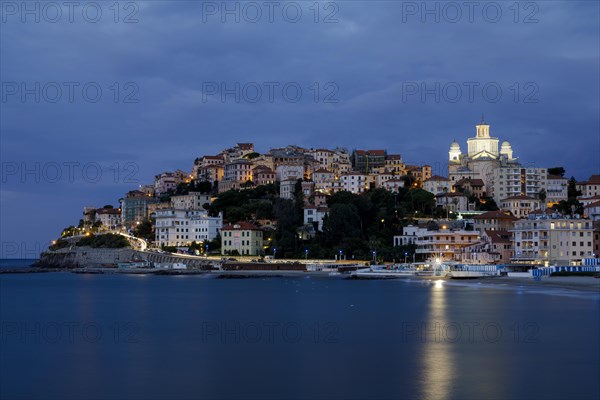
(70, 336)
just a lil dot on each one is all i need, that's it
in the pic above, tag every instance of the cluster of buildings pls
(523, 230)
(498, 237)
(329, 171)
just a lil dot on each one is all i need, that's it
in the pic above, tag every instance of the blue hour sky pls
(98, 98)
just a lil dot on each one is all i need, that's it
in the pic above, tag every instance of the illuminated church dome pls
(506, 149)
(454, 153)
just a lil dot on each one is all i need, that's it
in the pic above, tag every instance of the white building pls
(394, 185)
(454, 202)
(592, 211)
(182, 227)
(191, 201)
(242, 238)
(482, 158)
(168, 181)
(109, 217)
(437, 184)
(287, 188)
(409, 236)
(381, 179)
(559, 241)
(354, 182)
(284, 171)
(323, 180)
(556, 189)
(238, 170)
(516, 181)
(520, 206)
(591, 187)
(315, 214)
(442, 244)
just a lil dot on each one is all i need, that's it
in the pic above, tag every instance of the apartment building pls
(354, 182)
(134, 208)
(365, 161)
(556, 189)
(500, 220)
(190, 201)
(242, 238)
(520, 206)
(315, 214)
(445, 244)
(262, 175)
(182, 227)
(323, 180)
(437, 184)
(543, 239)
(169, 181)
(517, 181)
(110, 218)
(591, 187)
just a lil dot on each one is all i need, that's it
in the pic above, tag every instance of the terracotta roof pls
(470, 181)
(437, 178)
(498, 236)
(370, 152)
(592, 205)
(353, 173)
(498, 214)
(520, 197)
(241, 226)
(213, 157)
(594, 180)
(323, 170)
(556, 177)
(245, 146)
(394, 157)
(108, 211)
(262, 169)
(323, 150)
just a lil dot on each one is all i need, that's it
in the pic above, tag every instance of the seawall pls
(79, 257)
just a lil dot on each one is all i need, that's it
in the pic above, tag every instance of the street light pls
(306, 254)
(274, 252)
(405, 256)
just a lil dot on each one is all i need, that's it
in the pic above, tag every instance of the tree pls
(487, 204)
(572, 191)
(542, 195)
(144, 230)
(343, 222)
(560, 171)
(109, 240)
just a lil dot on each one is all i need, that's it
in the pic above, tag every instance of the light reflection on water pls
(438, 360)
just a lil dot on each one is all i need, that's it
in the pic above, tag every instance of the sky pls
(98, 97)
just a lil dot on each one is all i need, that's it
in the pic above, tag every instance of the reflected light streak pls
(438, 362)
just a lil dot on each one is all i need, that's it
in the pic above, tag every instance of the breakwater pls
(81, 257)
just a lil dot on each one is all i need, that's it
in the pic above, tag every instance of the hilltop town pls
(295, 202)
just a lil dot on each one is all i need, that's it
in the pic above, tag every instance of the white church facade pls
(502, 174)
